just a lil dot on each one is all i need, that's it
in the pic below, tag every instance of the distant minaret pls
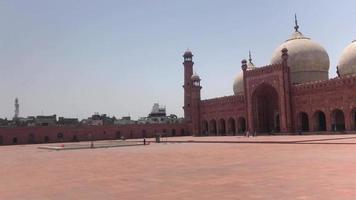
(17, 108)
(188, 72)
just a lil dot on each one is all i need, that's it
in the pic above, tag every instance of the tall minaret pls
(188, 72)
(17, 108)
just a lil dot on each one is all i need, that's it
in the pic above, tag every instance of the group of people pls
(248, 134)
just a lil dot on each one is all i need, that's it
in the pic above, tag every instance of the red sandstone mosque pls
(293, 94)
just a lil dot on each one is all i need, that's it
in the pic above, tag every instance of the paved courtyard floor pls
(299, 167)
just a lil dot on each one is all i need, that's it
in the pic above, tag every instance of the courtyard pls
(263, 167)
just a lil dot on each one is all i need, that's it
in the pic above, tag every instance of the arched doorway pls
(353, 119)
(205, 127)
(222, 128)
(265, 109)
(31, 138)
(118, 135)
(144, 135)
(276, 123)
(319, 121)
(231, 126)
(241, 125)
(338, 120)
(303, 122)
(182, 132)
(46, 139)
(75, 138)
(14, 140)
(212, 127)
(60, 136)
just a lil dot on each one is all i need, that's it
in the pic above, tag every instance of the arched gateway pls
(265, 108)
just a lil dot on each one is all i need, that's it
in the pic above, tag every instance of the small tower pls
(188, 72)
(196, 80)
(285, 56)
(17, 108)
(195, 102)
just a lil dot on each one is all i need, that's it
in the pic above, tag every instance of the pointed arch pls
(241, 121)
(60, 136)
(337, 120)
(212, 127)
(14, 140)
(205, 127)
(266, 109)
(231, 126)
(222, 127)
(46, 139)
(319, 121)
(303, 122)
(353, 119)
(31, 138)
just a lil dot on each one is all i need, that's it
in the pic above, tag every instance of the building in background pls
(158, 115)
(291, 95)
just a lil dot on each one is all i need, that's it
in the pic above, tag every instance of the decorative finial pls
(296, 27)
(249, 56)
(338, 71)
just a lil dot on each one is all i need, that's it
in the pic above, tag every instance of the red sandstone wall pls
(223, 108)
(228, 113)
(22, 134)
(326, 96)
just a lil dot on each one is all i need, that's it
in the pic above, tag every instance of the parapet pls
(324, 84)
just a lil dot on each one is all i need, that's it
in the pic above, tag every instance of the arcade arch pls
(319, 121)
(338, 120)
(303, 122)
(212, 127)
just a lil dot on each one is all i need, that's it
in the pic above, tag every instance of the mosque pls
(293, 94)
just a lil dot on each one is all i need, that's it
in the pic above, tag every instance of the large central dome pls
(308, 61)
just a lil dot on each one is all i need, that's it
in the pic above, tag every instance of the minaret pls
(17, 108)
(195, 108)
(188, 72)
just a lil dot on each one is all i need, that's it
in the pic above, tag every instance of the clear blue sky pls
(74, 58)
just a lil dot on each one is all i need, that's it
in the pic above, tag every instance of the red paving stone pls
(185, 170)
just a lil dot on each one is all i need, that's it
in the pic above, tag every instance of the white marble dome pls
(347, 62)
(195, 77)
(308, 61)
(238, 86)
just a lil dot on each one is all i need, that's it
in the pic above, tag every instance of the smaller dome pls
(188, 54)
(195, 77)
(238, 86)
(347, 62)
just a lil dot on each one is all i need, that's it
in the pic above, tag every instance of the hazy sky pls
(74, 58)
